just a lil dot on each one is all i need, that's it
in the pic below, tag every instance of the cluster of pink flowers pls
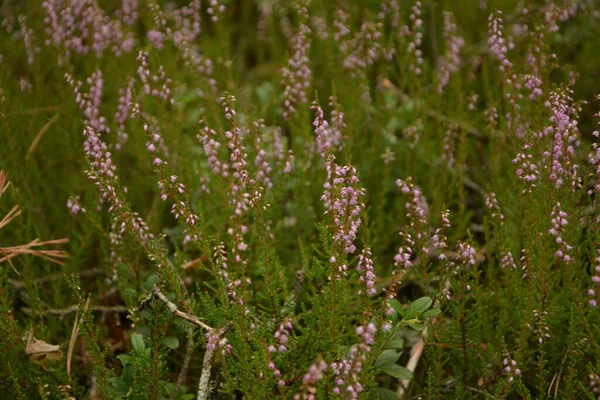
(211, 150)
(216, 341)
(540, 328)
(296, 75)
(231, 284)
(510, 369)
(417, 209)
(346, 371)
(565, 139)
(497, 42)
(491, 202)
(343, 200)
(83, 26)
(310, 379)
(366, 269)
(74, 206)
(28, 39)
(415, 40)
(594, 160)
(122, 113)
(559, 221)
(157, 84)
(467, 254)
(450, 61)
(405, 252)
(329, 137)
(439, 241)
(526, 169)
(128, 12)
(282, 336)
(507, 260)
(89, 102)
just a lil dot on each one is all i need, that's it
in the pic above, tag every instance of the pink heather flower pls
(415, 40)
(296, 75)
(329, 137)
(25, 85)
(128, 12)
(510, 369)
(565, 139)
(122, 113)
(74, 206)
(559, 221)
(507, 260)
(342, 198)
(282, 335)
(417, 209)
(347, 370)
(310, 379)
(156, 85)
(156, 39)
(28, 39)
(367, 272)
(592, 293)
(449, 63)
(466, 253)
(216, 341)
(438, 242)
(496, 41)
(492, 204)
(527, 171)
(211, 150)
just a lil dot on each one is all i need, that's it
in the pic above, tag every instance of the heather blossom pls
(450, 61)
(347, 370)
(559, 221)
(367, 272)
(593, 292)
(510, 369)
(296, 75)
(342, 198)
(310, 379)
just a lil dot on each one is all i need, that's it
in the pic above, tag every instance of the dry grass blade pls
(12, 214)
(39, 136)
(51, 255)
(74, 335)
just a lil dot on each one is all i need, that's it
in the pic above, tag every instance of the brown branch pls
(179, 314)
(204, 388)
(74, 308)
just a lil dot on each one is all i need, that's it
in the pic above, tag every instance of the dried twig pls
(74, 308)
(204, 388)
(179, 314)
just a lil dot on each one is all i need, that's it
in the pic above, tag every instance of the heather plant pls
(305, 200)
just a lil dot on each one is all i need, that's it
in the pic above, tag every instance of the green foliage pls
(220, 224)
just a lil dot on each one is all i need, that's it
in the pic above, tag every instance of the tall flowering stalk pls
(296, 75)
(450, 61)
(342, 197)
(347, 370)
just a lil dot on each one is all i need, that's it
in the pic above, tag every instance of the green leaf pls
(124, 358)
(395, 344)
(137, 342)
(171, 342)
(417, 307)
(395, 304)
(397, 371)
(385, 394)
(429, 313)
(387, 357)
(415, 325)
